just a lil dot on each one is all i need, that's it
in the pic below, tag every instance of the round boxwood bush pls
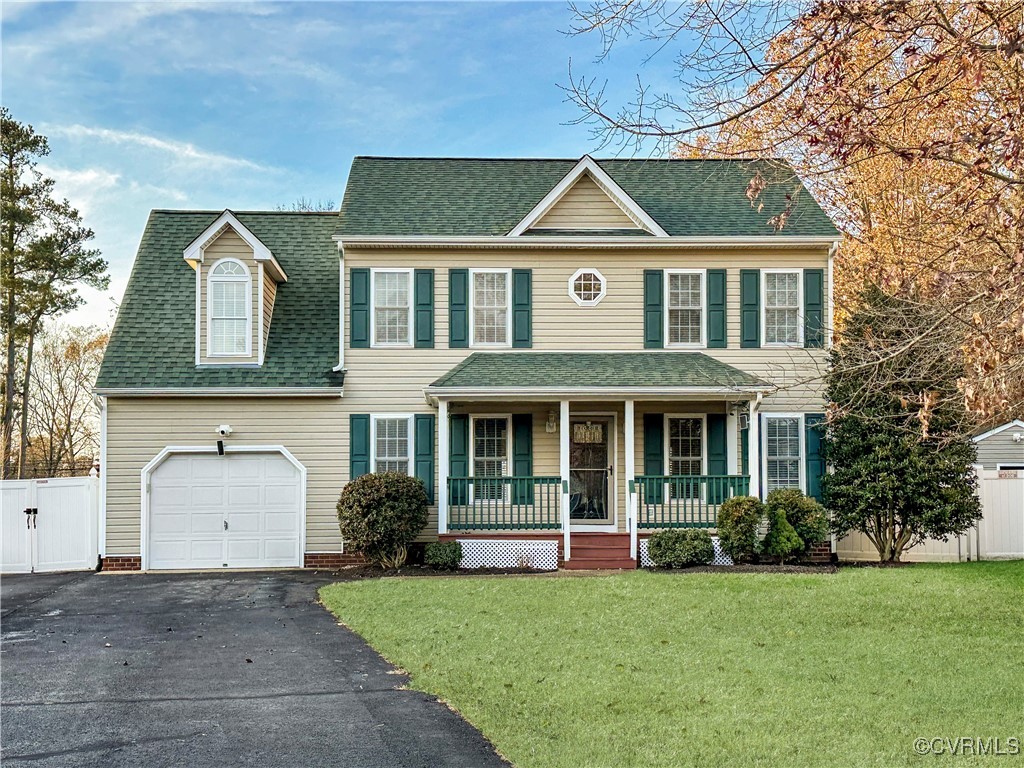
(806, 515)
(782, 540)
(443, 555)
(681, 548)
(380, 514)
(739, 523)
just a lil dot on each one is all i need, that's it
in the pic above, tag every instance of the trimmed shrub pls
(380, 514)
(739, 523)
(781, 541)
(681, 548)
(443, 555)
(806, 515)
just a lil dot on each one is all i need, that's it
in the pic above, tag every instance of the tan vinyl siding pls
(314, 430)
(269, 293)
(1001, 449)
(585, 206)
(228, 245)
(395, 378)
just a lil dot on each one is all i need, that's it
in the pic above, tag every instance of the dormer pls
(237, 279)
(587, 200)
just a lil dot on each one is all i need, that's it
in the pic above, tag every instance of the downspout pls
(341, 309)
(101, 532)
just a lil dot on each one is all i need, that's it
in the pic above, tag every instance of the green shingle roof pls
(153, 341)
(589, 370)
(453, 196)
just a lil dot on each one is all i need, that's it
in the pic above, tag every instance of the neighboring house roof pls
(1001, 428)
(594, 370)
(153, 342)
(406, 196)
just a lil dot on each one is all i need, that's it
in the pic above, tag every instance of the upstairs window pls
(587, 287)
(782, 308)
(392, 444)
(230, 309)
(392, 308)
(685, 304)
(491, 311)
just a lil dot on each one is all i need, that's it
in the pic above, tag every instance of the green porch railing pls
(684, 501)
(504, 503)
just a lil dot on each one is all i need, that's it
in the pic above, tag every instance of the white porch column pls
(754, 450)
(442, 466)
(732, 442)
(563, 470)
(630, 437)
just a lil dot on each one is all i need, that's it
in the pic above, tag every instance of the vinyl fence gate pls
(49, 524)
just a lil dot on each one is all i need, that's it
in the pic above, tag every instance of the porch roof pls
(594, 373)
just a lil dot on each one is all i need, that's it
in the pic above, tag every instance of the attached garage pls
(244, 509)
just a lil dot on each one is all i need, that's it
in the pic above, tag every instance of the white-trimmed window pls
(492, 447)
(490, 315)
(587, 287)
(392, 307)
(685, 453)
(783, 451)
(684, 305)
(229, 317)
(391, 439)
(782, 295)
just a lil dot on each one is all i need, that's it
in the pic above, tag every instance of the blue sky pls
(217, 105)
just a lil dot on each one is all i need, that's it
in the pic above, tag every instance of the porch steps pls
(599, 551)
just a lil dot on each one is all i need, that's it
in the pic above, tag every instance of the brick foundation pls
(820, 553)
(331, 560)
(121, 563)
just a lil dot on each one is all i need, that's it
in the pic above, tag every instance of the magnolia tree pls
(901, 469)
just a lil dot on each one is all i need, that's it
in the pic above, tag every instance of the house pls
(570, 354)
(1002, 447)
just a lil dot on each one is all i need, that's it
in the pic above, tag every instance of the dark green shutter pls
(522, 457)
(654, 455)
(458, 308)
(654, 299)
(814, 305)
(814, 424)
(522, 312)
(359, 309)
(718, 463)
(717, 335)
(750, 308)
(458, 457)
(424, 453)
(358, 445)
(423, 301)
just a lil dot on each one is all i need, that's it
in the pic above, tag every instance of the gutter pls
(433, 394)
(614, 243)
(222, 392)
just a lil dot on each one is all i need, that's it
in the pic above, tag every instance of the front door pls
(590, 470)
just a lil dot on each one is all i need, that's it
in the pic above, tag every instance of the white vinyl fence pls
(998, 536)
(49, 524)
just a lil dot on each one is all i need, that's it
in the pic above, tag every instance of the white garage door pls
(240, 510)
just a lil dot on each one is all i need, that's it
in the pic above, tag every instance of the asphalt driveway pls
(206, 670)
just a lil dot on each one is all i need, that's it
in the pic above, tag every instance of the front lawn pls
(659, 669)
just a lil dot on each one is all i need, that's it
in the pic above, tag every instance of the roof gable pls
(587, 178)
(227, 220)
(1001, 428)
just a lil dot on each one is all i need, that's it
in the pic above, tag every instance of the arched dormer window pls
(229, 313)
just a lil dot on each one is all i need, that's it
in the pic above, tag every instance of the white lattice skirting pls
(509, 553)
(720, 557)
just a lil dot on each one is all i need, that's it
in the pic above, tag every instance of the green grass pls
(658, 669)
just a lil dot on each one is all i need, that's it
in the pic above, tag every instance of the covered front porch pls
(590, 451)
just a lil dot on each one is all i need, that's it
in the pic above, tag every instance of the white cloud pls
(180, 149)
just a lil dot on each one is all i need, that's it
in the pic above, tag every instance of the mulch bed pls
(752, 568)
(360, 572)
